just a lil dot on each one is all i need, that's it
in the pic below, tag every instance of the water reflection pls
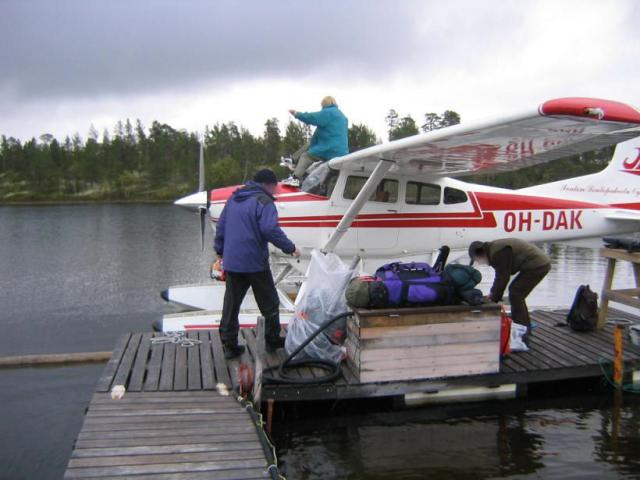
(560, 437)
(618, 441)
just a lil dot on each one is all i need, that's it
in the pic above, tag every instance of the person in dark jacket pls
(511, 256)
(247, 224)
(331, 138)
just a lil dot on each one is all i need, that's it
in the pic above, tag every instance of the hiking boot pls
(274, 344)
(287, 162)
(233, 351)
(291, 181)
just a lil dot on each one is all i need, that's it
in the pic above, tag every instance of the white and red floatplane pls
(397, 201)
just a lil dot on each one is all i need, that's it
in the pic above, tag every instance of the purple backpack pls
(412, 284)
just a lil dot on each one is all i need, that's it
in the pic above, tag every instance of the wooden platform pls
(167, 435)
(556, 353)
(170, 424)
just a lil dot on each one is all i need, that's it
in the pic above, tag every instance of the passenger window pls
(422, 194)
(387, 190)
(453, 195)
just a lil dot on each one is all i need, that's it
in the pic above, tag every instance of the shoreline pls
(35, 203)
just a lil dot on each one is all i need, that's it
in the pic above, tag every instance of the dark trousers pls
(264, 291)
(520, 289)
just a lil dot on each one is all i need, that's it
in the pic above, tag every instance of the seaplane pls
(400, 201)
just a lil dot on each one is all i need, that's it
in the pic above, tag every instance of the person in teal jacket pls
(330, 139)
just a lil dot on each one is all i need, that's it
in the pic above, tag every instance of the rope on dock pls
(268, 447)
(54, 359)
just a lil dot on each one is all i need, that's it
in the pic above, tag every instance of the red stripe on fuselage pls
(472, 219)
(494, 202)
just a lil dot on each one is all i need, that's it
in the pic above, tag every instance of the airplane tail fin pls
(618, 184)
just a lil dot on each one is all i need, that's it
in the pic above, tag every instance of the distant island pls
(136, 164)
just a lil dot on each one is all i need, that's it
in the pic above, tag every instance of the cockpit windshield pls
(321, 180)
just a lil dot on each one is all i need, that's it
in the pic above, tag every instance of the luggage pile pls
(415, 284)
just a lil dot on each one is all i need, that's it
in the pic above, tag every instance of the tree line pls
(134, 163)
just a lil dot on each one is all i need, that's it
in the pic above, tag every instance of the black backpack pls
(583, 316)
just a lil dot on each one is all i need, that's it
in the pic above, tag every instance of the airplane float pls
(397, 201)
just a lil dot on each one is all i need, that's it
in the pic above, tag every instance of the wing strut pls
(347, 219)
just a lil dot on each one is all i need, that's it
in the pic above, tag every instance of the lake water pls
(73, 278)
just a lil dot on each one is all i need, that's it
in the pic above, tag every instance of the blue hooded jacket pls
(331, 138)
(249, 221)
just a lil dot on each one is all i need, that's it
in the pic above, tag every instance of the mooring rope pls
(179, 338)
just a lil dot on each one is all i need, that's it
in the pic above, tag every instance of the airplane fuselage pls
(410, 217)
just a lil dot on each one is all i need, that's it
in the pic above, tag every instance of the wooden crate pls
(421, 343)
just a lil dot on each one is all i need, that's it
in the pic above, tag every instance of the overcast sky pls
(65, 65)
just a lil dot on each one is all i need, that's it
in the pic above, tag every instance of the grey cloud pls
(87, 48)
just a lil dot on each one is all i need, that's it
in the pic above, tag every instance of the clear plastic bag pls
(516, 342)
(320, 299)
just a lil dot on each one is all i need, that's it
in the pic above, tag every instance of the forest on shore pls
(159, 163)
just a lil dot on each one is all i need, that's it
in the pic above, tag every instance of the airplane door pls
(375, 228)
(422, 208)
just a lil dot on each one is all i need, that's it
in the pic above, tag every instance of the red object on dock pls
(505, 333)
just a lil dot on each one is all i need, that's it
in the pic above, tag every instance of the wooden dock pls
(172, 423)
(556, 353)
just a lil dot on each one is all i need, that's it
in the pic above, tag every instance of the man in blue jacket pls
(331, 138)
(248, 223)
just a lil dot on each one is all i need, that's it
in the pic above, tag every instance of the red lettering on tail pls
(632, 164)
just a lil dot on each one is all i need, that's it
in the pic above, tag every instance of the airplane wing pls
(558, 128)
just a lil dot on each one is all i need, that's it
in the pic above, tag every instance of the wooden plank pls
(408, 319)
(163, 458)
(180, 371)
(165, 440)
(165, 468)
(158, 412)
(256, 341)
(176, 432)
(243, 474)
(220, 365)
(105, 380)
(608, 281)
(488, 361)
(168, 367)
(219, 416)
(194, 373)
(167, 449)
(429, 373)
(622, 297)
(386, 343)
(130, 407)
(140, 364)
(431, 351)
(163, 395)
(430, 329)
(487, 307)
(206, 361)
(152, 380)
(223, 422)
(167, 397)
(620, 254)
(124, 369)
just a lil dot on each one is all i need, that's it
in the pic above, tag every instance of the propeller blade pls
(201, 168)
(203, 218)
